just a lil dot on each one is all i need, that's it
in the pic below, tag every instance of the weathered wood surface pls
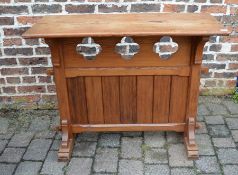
(143, 24)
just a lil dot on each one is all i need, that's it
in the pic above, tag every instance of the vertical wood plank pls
(178, 99)
(77, 97)
(94, 100)
(161, 99)
(128, 99)
(144, 99)
(111, 103)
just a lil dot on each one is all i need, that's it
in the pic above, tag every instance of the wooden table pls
(111, 93)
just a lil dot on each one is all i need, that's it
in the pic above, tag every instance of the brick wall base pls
(23, 62)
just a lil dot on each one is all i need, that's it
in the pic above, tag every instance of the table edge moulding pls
(180, 74)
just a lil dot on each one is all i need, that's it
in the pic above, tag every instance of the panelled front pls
(127, 99)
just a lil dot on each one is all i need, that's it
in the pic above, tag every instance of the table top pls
(139, 24)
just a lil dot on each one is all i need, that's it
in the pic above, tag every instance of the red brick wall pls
(23, 62)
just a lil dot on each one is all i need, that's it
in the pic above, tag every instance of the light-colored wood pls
(142, 24)
(128, 99)
(161, 99)
(111, 99)
(94, 100)
(145, 99)
(180, 71)
(178, 127)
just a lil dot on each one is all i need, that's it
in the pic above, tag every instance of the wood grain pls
(128, 99)
(142, 24)
(111, 99)
(178, 99)
(144, 99)
(94, 100)
(161, 99)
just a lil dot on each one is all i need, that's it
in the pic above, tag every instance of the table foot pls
(64, 153)
(189, 140)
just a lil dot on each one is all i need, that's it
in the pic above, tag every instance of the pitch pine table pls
(100, 88)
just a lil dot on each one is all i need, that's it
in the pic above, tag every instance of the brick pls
(33, 61)
(20, 9)
(210, 83)
(213, 9)
(156, 169)
(231, 1)
(21, 140)
(215, 47)
(215, 66)
(104, 8)
(156, 155)
(51, 88)
(37, 149)
(232, 66)
(202, 110)
(227, 57)
(131, 147)
(18, 51)
(173, 8)
(28, 19)
(2, 81)
(32, 42)
(132, 134)
(42, 51)
(44, 79)
(56, 144)
(224, 142)
(105, 157)
(235, 135)
(204, 145)
(192, 8)
(109, 140)
(83, 8)
(130, 167)
(8, 61)
(225, 75)
(178, 157)
(216, 1)
(145, 7)
(9, 89)
(200, 1)
(29, 79)
(43, 8)
(234, 48)
(12, 155)
(38, 70)
(228, 156)
(6, 21)
(208, 165)
(183, 171)
(7, 169)
(27, 89)
(213, 120)
(14, 31)
(154, 139)
(12, 41)
(84, 149)
(82, 165)
(29, 168)
(13, 80)
(218, 131)
(203, 129)
(52, 165)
